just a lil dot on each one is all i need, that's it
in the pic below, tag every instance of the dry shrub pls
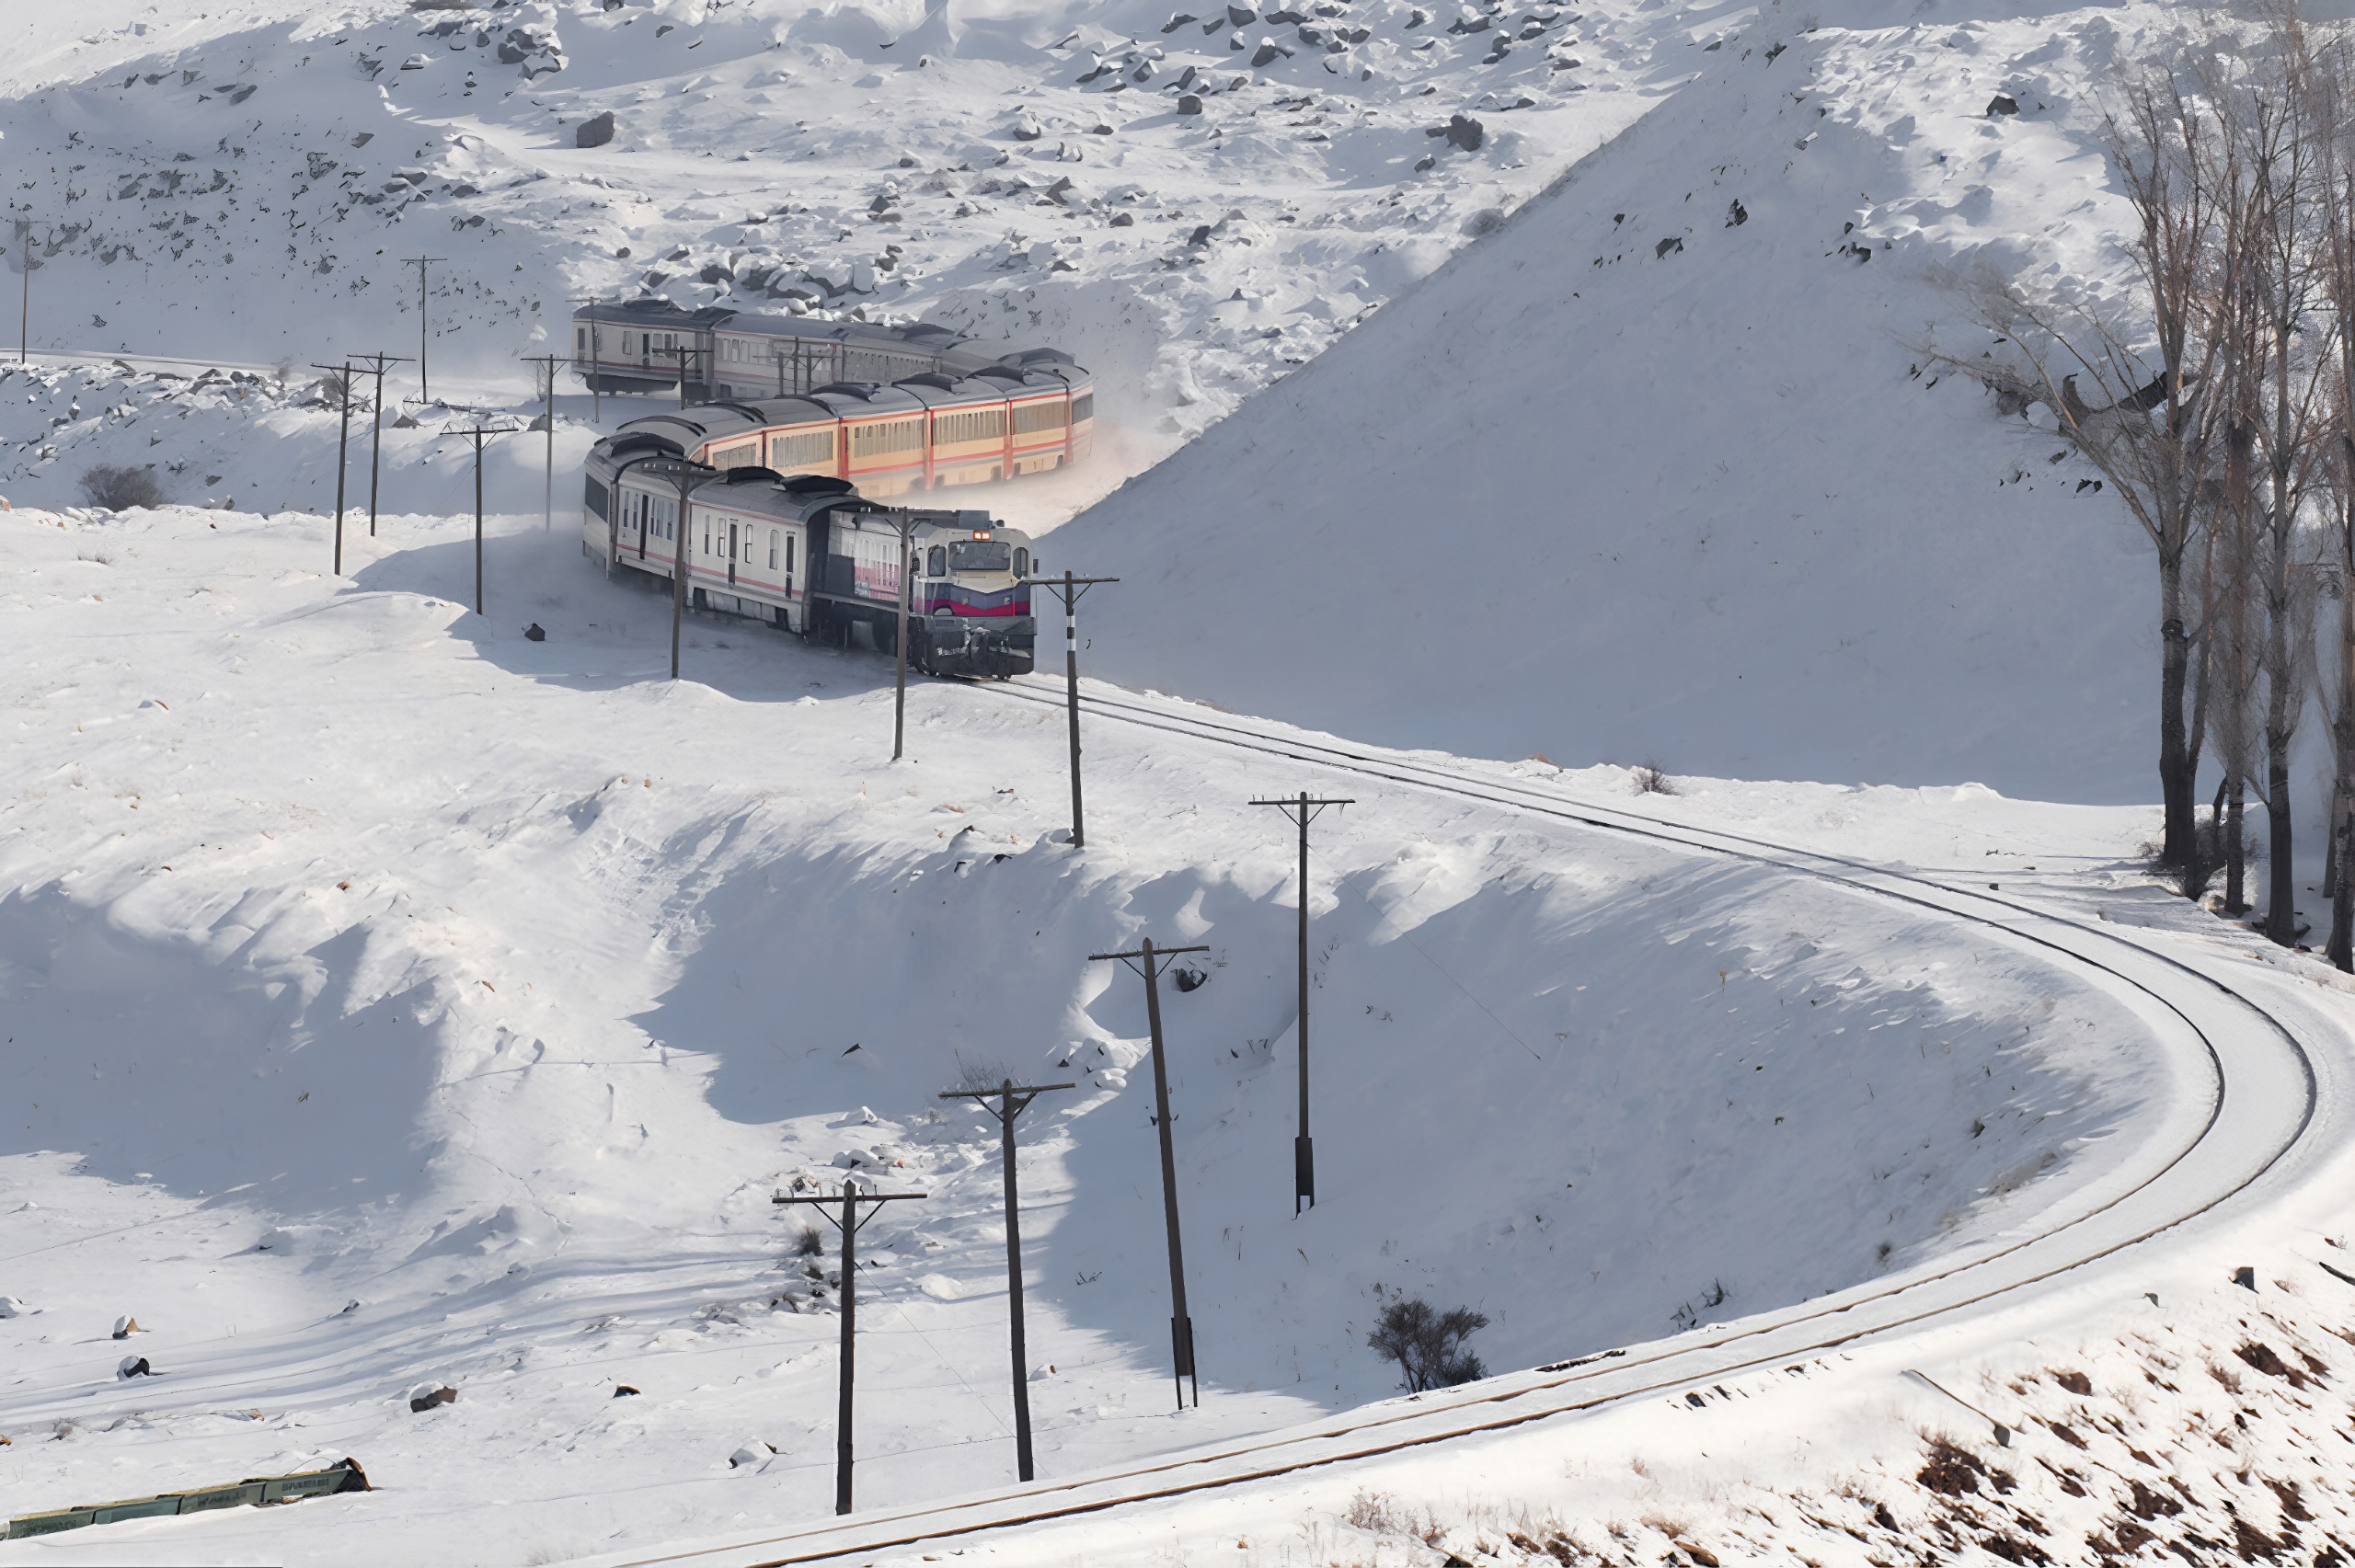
(122, 489)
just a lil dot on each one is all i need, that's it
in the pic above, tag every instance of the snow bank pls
(1652, 473)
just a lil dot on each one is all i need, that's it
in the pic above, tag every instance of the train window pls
(1021, 562)
(1083, 408)
(772, 538)
(979, 556)
(939, 560)
(579, 340)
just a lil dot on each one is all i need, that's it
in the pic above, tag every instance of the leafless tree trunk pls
(2149, 426)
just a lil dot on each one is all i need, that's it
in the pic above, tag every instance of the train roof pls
(937, 389)
(651, 312)
(862, 399)
(761, 493)
(951, 350)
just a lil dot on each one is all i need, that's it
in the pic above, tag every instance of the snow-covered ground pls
(494, 985)
(453, 1003)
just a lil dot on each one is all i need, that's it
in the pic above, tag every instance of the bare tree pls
(2332, 85)
(2149, 425)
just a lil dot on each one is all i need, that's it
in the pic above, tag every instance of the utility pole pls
(1010, 1103)
(548, 363)
(906, 522)
(342, 374)
(1303, 810)
(680, 355)
(424, 394)
(1149, 961)
(25, 298)
(376, 424)
(848, 1224)
(1071, 590)
(478, 435)
(596, 403)
(689, 471)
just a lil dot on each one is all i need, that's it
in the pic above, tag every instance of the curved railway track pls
(2255, 1097)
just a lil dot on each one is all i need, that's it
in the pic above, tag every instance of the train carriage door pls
(731, 552)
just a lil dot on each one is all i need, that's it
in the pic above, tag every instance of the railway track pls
(2253, 1098)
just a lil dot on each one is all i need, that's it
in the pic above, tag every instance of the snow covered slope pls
(358, 950)
(1653, 472)
(245, 183)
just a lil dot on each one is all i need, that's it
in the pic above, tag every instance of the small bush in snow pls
(809, 1244)
(122, 489)
(1428, 1346)
(1651, 780)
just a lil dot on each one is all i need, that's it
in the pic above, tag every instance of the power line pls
(424, 393)
(1008, 1101)
(849, 1224)
(1071, 590)
(1149, 961)
(1303, 810)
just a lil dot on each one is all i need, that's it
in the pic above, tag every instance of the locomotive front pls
(970, 610)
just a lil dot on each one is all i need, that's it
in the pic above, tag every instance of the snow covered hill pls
(1193, 204)
(396, 1000)
(1655, 473)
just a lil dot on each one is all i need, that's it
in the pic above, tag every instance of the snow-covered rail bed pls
(2260, 1054)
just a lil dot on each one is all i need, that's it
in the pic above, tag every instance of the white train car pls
(807, 552)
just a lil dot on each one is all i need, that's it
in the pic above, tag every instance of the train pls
(806, 552)
(894, 410)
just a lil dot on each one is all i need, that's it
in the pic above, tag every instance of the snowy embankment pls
(1192, 206)
(362, 951)
(1655, 473)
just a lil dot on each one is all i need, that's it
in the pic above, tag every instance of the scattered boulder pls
(535, 633)
(1736, 215)
(12, 1307)
(595, 131)
(1025, 127)
(1189, 103)
(1179, 20)
(1241, 16)
(1119, 221)
(1668, 246)
(135, 1367)
(1201, 234)
(750, 1453)
(1464, 132)
(1268, 54)
(125, 1327)
(623, 1390)
(2002, 103)
(425, 1399)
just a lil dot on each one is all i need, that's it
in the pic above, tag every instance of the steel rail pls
(1376, 1430)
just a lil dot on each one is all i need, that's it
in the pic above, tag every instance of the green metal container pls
(135, 1508)
(221, 1498)
(47, 1524)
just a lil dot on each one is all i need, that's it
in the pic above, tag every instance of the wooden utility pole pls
(596, 402)
(478, 435)
(548, 363)
(689, 470)
(342, 374)
(424, 393)
(1070, 590)
(1149, 961)
(1303, 810)
(680, 355)
(376, 424)
(1006, 1103)
(848, 1224)
(906, 522)
(25, 298)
